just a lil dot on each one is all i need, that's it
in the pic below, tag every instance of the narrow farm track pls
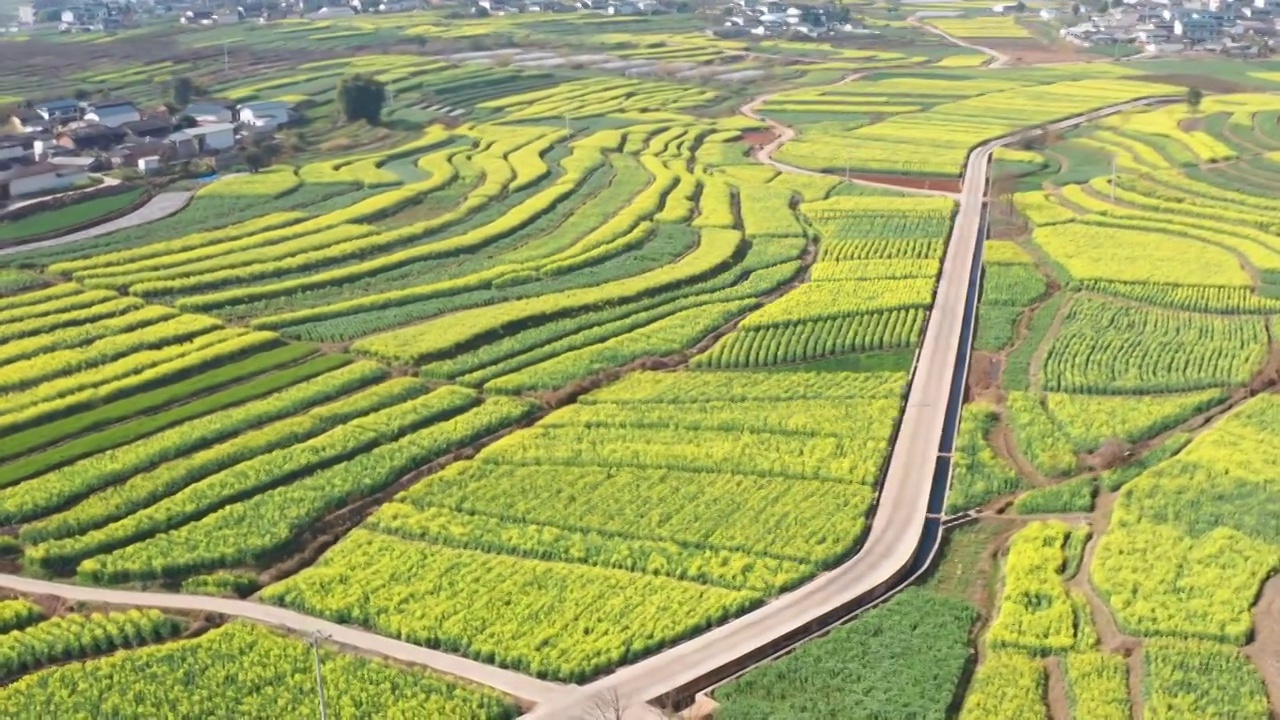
(512, 683)
(896, 529)
(157, 208)
(998, 60)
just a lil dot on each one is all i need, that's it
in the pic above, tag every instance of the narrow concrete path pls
(159, 207)
(506, 681)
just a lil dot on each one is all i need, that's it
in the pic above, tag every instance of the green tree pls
(1194, 96)
(361, 97)
(182, 89)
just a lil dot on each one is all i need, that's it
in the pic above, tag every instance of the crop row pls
(142, 510)
(90, 388)
(76, 636)
(1035, 614)
(805, 340)
(176, 457)
(718, 249)
(271, 676)
(135, 408)
(263, 524)
(1112, 347)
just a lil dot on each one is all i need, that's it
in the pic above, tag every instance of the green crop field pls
(599, 338)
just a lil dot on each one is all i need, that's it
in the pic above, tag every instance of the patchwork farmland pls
(566, 387)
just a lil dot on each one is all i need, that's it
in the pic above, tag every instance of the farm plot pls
(1164, 315)
(774, 488)
(271, 676)
(249, 433)
(869, 289)
(954, 127)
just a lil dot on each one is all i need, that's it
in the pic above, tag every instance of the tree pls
(255, 159)
(1194, 96)
(83, 94)
(361, 97)
(182, 89)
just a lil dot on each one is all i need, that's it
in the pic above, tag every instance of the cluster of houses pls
(52, 145)
(1240, 28)
(768, 18)
(608, 7)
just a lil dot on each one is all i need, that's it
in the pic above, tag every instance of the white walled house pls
(38, 178)
(207, 112)
(267, 112)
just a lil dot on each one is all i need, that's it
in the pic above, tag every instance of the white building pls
(207, 112)
(39, 178)
(265, 113)
(218, 136)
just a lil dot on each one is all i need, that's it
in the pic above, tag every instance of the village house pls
(151, 128)
(27, 121)
(211, 111)
(208, 138)
(60, 110)
(113, 113)
(266, 113)
(43, 177)
(90, 138)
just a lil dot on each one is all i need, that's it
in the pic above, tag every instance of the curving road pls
(898, 523)
(161, 206)
(511, 683)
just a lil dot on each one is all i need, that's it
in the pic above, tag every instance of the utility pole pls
(226, 60)
(566, 124)
(846, 166)
(315, 650)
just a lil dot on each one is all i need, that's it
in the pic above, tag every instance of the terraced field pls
(547, 373)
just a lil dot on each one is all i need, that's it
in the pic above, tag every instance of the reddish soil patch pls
(914, 183)
(1034, 52)
(1204, 82)
(984, 376)
(759, 138)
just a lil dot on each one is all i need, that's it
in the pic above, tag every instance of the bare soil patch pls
(984, 377)
(1204, 82)
(909, 182)
(1264, 651)
(759, 138)
(1059, 706)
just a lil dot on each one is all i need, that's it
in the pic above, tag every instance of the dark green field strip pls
(49, 221)
(251, 367)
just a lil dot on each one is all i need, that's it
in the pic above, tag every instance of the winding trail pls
(511, 683)
(157, 208)
(998, 59)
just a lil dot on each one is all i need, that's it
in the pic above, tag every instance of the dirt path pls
(1037, 357)
(785, 133)
(1264, 651)
(999, 59)
(1111, 638)
(1059, 705)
